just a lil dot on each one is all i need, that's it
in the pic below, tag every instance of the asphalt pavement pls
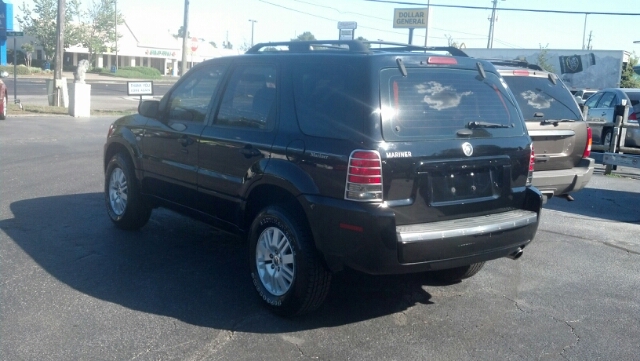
(73, 287)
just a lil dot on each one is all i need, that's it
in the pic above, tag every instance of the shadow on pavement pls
(621, 206)
(181, 268)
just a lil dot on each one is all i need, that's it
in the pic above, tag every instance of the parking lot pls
(73, 287)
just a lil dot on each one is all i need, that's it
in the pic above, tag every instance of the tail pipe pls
(517, 254)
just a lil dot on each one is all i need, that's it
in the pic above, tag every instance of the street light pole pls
(252, 23)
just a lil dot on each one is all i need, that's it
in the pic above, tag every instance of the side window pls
(326, 101)
(593, 100)
(607, 100)
(190, 100)
(250, 97)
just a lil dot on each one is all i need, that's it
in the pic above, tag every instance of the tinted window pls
(540, 99)
(249, 97)
(436, 103)
(325, 97)
(607, 100)
(190, 100)
(593, 100)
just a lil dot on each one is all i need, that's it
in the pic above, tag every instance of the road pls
(73, 287)
(106, 94)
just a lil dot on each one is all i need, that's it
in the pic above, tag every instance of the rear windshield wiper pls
(556, 121)
(479, 124)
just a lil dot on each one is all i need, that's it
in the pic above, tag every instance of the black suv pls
(561, 136)
(334, 154)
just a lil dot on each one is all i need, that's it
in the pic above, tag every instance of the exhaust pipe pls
(517, 254)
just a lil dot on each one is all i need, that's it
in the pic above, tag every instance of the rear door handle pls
(249, 151)
(185, 141)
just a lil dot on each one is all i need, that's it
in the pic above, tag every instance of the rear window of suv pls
(436, 103)
(540, 99)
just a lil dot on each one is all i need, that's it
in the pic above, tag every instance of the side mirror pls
(579, 100)
(149, 108)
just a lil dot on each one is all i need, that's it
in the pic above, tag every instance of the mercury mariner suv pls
(383, 158)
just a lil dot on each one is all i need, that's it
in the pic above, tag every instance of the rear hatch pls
(455, 144)
(553, 118)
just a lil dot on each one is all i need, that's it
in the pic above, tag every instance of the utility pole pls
(252, 22)
(116, 30)
(426, 31)
(185, 32)
(59, 56)
(492, 20)
(589, 43)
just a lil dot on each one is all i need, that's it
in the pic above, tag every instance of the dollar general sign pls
(410, 18)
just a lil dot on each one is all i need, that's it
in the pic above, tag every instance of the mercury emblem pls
(467, 148)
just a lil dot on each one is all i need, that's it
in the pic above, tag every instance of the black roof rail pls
(518, 63)
(313, 45)
(350, 46)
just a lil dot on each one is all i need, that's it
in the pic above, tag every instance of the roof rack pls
(354, 46)
(518, 63)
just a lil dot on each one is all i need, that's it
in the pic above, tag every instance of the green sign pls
(15, 33)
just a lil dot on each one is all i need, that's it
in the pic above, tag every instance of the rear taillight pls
(364, 177)
(633, 116)
(521, 72)
(532, 163)
(587, 149)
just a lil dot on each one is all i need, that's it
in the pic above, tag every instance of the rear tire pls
(125, 205)
(606, 137)
(457, 274)
(286, 268)
(5, 102)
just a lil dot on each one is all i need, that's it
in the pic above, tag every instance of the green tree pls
(96, 31)
(306, 36)
(365, 41)
(40, 22)
(180, 33)
(629, 79)
(227, 45)
(543, 59)
(27, 49)
(213, 43)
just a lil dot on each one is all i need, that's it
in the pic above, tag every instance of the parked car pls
(601, 115)
(334, 154)
(561, 137)
(4, 95)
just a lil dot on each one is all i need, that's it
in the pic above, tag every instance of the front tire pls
(457, 274)
(285, 266)
(125, 205)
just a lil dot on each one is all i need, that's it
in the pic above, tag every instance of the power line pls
(506, 9)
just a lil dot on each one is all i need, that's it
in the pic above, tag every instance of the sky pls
(283, 20)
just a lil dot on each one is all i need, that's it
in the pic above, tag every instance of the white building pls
(160, 50)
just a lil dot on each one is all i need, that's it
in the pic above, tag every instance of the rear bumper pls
(365, 236)
(563, 181)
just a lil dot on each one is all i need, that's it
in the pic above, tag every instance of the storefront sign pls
(162, 53)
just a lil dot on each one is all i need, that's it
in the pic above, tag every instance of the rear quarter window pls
(436, 103)
(327, 99)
